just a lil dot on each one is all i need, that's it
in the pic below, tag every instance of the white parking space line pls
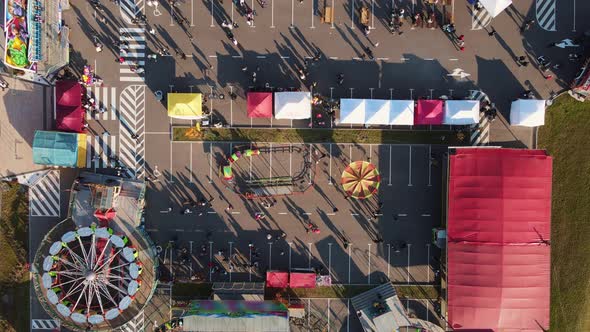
(330, 260)
(290, 159)
(172, 181)
(210, 162)
(410, 168)
(270, 255)
(429, 165)
(348, 316)
(390, 164)
(352, 14)
(330, 166)
(212, 25)
(349, 255)
(312, 12)
(270, 162)
(349, 153)
(191, 255)
(369, 266)
(191, 164)
(329, 315)
(292, 13)
(310, 162)
(409, 247)
(309, 256)
(290, 250)
(231, 100)
(428, 262)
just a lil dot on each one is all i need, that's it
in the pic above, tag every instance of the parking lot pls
(216, 237)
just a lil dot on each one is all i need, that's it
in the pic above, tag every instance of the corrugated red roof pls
(499, 219)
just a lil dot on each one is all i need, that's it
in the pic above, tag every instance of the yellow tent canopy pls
(185, 106)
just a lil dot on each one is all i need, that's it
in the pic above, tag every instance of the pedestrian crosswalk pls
(131, 139)
(137, 324)
(44, 196)
(545, 10)
(130, 9)
(480, 132)
(100, 151)
(133, 54)
(45, 324)
(104, 98)
(480, 19)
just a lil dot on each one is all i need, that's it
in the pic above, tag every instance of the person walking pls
(492, 33)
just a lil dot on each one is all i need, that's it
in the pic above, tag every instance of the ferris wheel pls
(91, 275)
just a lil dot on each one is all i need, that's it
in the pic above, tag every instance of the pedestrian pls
(182, 56)
(283, 235)
(316, 230)
(85, 126)
(268, 236)
(134, 136)
(492, 33)
(335, 209)
(244, 68)
(152, 31)
(120, 59)
(3, 85)
(229, 207)
(169, 209)
(282, 252)
(369, 52)
(461, 37)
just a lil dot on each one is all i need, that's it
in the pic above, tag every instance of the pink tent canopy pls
(260, 105)
(499, 225)
(302, 280)
(68, 106)
(105, 215)
(429, 112)
(277, 279)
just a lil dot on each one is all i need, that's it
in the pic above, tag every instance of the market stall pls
(187, 106)
(527, 113)
(352, 111)
(54, 148)
(293, 105)
(277, 279)
(402, 112)
(429, 112)
(461, 112)
(69, 114)
(259, 104)
(377, 112)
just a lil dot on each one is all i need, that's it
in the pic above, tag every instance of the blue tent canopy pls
(55, 148)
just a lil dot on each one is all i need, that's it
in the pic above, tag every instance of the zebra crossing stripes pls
(45, 324)
(44, 196)
(546, 10)
(480, 19)
(480, 132)
(132, 122)
(99, 149)
(134, 54)
(137, 324)
(129, 9)
(103, 97)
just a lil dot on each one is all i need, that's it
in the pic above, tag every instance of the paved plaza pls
(360, 242)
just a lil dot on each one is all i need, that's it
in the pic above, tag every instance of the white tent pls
(402, 112)
(352, 111)
(495, 7)
(527, 113)
(292, 105)
(377, 111)
(461, 112)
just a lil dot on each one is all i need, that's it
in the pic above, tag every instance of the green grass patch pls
(14, 283)
(284, 135)
(193, 291)
(565, 137)
(348, 291)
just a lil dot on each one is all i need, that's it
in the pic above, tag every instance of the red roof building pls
(499, 226)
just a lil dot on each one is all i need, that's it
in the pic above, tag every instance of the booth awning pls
(69, 114)
(352, 111)
(277, 279)
(292, 105)
(402, 112)
(429, 112)
(499, 225)
(376, 111)
(54, 148)
(495, 7)
(302, 280)
(259, 104)
(527, 113)
(461, 112)
(186, 106)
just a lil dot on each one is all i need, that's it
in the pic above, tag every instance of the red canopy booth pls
(277, 279)
(69, 113)
(499, 228)
(429, 112)
(260, 104)
(302, 280)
